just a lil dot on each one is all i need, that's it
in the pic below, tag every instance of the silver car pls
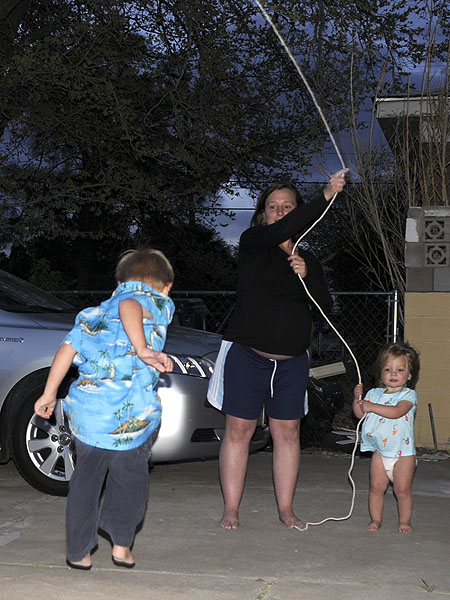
(32, 326)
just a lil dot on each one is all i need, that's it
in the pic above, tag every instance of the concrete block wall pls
(427, 328)
(427, 317)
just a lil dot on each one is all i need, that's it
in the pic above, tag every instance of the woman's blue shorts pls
(252, 381)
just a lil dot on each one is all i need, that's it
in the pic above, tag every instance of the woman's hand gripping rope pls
(334, 186)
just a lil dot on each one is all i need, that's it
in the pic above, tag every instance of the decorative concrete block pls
(428, 249)
(434, 229)
(419, 279)
(415, 212)
(414, 255)
(437, 254)
(442, 280)
(435, 211)
(412, 234)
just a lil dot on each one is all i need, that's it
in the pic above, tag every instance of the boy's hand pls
(44, 406)
(159, 360)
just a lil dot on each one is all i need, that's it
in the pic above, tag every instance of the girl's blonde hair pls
(393, 351)
(147, 265)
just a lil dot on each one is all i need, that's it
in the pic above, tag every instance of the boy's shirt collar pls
(136, 286)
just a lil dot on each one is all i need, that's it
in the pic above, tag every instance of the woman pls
(263, 359)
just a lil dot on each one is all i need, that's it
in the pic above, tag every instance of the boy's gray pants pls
(124, 499)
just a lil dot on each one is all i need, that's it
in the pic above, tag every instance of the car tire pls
(318, 422)
(42, 449)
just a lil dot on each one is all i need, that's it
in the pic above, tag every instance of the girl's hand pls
(360, 405)
(298, 265)
(366, 407)
(358, 392)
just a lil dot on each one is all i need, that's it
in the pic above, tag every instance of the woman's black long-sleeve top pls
(273, 312)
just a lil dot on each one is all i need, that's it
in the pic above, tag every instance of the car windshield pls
(18, 295)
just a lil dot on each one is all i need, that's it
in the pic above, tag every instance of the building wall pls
(427, 328)
(427, 317)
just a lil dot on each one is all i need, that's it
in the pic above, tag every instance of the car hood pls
(184, 340)
(47, 320)
(180, 340)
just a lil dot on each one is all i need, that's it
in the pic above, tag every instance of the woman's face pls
(278, 204)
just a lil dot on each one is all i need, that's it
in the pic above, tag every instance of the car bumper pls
(190, 427)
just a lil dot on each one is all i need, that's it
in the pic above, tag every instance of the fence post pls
(395, 318)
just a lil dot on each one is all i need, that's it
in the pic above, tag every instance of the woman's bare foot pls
(230, 519)
(289, 519)
(405, 528)
(373, 526)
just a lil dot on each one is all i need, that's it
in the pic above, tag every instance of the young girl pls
(388, 432)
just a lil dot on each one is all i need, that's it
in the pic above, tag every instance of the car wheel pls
(318, 421)
(43, 449)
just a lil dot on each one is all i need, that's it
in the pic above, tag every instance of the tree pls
(411, 170)
(116, 111)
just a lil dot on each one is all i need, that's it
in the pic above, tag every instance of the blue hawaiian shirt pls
(113, 404)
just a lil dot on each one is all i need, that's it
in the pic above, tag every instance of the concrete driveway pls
(182, 553)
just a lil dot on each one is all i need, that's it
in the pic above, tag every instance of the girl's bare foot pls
(289, 519)
(405, 528)
(373, 526)
(230, 519)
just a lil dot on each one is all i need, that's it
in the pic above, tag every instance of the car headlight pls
(190, 365)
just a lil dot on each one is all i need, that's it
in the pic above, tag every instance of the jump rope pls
(311, 93)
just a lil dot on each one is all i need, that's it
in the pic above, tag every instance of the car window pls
(19, 295)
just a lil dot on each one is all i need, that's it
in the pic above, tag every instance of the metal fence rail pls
(366, 320)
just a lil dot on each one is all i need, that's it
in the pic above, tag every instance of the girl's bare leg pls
(286, 462)
(379, 482)
(233, 461)
(404, 470)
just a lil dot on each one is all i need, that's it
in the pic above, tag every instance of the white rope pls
(308, 87)
(300, 72)
(349, 474)
(330, 324)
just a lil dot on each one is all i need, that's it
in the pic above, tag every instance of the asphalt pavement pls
(182, 553)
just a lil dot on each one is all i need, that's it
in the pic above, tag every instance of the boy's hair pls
(396, 350)
(258, 215)
(147, 265)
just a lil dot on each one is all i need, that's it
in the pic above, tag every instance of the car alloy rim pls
(50, 446)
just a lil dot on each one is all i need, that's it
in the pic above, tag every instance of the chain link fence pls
(365, 320)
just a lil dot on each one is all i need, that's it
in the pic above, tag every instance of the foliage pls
(115, 113)
(411, 170)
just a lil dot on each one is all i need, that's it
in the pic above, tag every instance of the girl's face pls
(395, 374)
(278, 204)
